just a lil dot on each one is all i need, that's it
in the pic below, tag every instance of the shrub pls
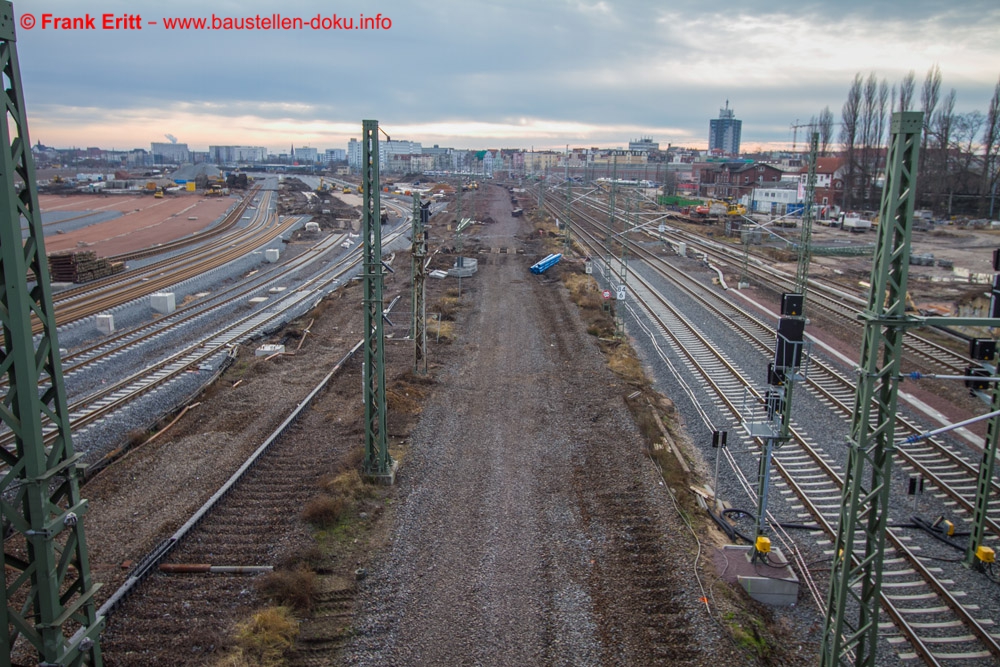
(323, 511)
(266, 636)
(290, 588)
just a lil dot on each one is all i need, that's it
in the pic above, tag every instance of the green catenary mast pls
(377, 464)
(49, 596)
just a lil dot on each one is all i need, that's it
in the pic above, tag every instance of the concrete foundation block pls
(106, 324)
(773, 583)
(162, 302)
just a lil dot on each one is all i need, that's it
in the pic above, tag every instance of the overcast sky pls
(504, 73)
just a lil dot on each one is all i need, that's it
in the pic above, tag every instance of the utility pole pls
(856, 573)
(805, 237)
(418, 252)
(568, 237)
(378, 465)
(49, 602)
(611, 223)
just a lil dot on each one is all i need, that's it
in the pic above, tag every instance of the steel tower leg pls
(418, 253)
(856, 575)
(378, 463)
(49, 592)
(984, 486)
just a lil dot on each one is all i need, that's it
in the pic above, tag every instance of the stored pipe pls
(202, 568)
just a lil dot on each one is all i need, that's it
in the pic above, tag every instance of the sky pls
(475, 74)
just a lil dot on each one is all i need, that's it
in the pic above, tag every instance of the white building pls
(775, 200)
(354, 154)
(385, 149)
(334, 155)
(306, 155)
(236, 154)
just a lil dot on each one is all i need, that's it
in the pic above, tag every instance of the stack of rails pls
(81, 267)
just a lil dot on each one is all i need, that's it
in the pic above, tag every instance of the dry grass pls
(290, 588)
(348, 484)
(405, 398)
(442, 330)
(263, 640)
(323, 511)
(446, 307)
(623, 363)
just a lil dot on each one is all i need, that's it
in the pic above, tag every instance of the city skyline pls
(512, 74)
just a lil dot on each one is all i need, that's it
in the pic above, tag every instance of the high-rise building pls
(354, 154)
(230, 154)
(164, 153)
(724, 132)
(306, 155)
(334, 155)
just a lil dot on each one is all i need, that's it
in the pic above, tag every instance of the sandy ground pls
(145, 221)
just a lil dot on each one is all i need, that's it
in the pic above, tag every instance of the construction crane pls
(795, 131)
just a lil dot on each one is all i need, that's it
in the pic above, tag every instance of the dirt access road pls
(533, 530)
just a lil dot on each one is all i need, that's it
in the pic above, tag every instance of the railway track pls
(256, 500)
(118, 395)
(930, 617)
(830, 300)
(937, 460)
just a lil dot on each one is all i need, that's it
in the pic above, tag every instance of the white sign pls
(620, 294)
(662, 228)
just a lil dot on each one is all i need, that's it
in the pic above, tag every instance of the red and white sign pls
(607, 294)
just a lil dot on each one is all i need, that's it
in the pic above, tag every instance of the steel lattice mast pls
(377, 462)
(48, 591)
(805, 238)
(856, 576)
(419, 309)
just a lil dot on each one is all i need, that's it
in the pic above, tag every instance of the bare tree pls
(906, 91)
(991, 149)
(825, 130)
(849, 130)
(875, 99)
(929, 96)
(965, 177)
(939, 177)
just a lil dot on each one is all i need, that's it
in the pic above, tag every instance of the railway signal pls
(49, 596)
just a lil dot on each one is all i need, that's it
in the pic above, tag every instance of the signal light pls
(791, 304)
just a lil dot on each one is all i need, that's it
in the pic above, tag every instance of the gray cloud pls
(635, 64)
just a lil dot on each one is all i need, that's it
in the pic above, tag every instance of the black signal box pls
(977, 372)
(982, 349)
(791, 304)
(788, 350)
